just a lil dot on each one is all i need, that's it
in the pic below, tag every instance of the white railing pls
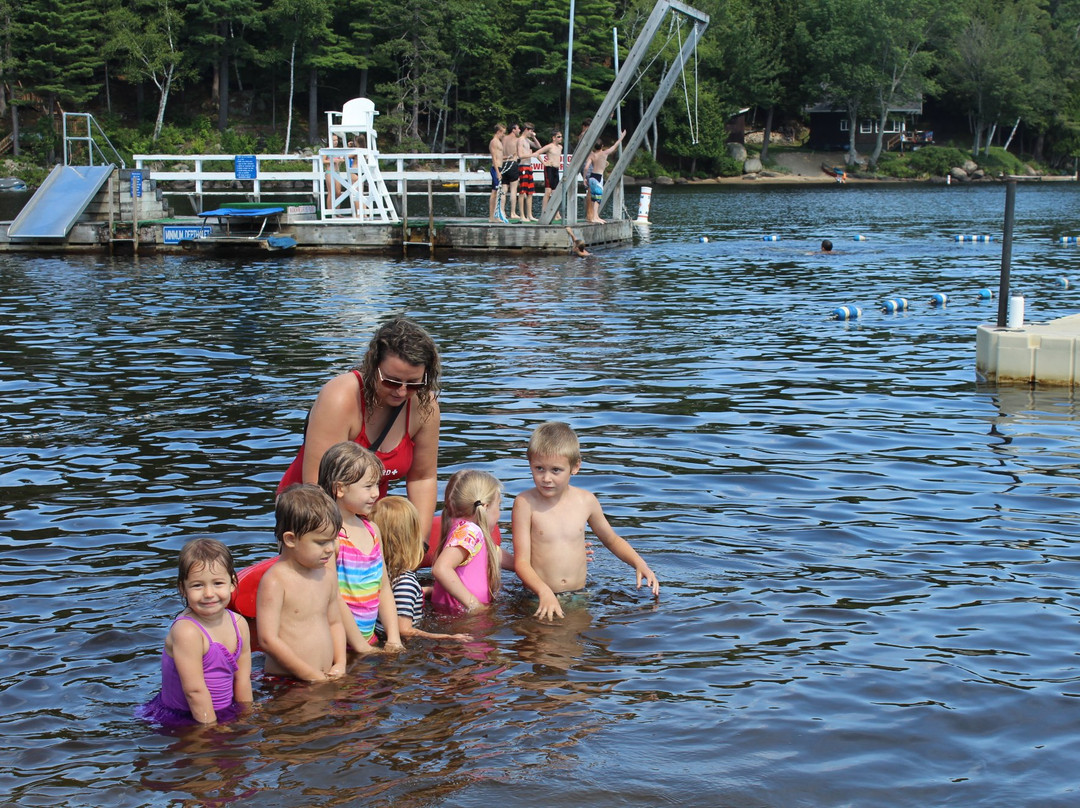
(450, 175)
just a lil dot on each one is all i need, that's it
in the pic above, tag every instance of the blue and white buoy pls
(1063, 282)
(986, 294)
(960, 237)
(703, 239)
(894, 305)
(772, 237)
(847, 313)
(860, 237)
(1068, 240)
(939, 299)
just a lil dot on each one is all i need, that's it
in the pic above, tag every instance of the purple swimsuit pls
(170, 706)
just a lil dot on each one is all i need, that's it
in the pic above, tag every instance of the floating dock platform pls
(1045, 354)
(441, 236)
(111, 218)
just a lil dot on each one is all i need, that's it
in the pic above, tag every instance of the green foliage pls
(727, 166)
(233, 142)
(645, 165)
(999, 161)
(935, 161)
(897, 166)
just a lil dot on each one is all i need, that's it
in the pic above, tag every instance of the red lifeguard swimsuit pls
(396, 462)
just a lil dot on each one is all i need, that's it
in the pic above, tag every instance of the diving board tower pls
(352, 186)
(624, 82)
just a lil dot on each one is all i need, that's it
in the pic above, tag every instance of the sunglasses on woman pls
(395, 384)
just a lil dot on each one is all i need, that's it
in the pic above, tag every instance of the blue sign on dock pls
(136, 183)
(245, 167)
(174, 234)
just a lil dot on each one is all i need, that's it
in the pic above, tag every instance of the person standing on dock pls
(552, 157)
(495, 149)
(510, 173)
(595, 167)
(526, 185)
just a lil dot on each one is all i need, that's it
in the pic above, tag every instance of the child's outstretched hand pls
(549, 607)
(646, 574)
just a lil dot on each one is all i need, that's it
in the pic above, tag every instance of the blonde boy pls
(297, 607)
(549, 523)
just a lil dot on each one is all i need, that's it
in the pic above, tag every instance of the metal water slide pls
(55, 207)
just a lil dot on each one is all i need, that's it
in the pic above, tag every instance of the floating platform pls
(1037, 354)
(121, 210)
(410, 237)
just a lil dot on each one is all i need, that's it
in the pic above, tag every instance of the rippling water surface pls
(868, 560)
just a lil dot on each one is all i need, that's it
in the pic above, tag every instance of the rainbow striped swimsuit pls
(359, 577)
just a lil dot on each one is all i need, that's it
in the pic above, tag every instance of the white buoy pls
(643, 205)
(1016, 310)
(847, 313)
(986, 294)
(939, 299)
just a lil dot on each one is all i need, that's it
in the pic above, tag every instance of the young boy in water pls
(297, 613)
(549, 523)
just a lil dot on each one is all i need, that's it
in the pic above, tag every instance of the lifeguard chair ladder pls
(353, 187)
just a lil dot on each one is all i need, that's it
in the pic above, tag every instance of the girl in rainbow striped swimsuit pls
(350, 474)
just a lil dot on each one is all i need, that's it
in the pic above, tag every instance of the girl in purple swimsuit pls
(206, 664)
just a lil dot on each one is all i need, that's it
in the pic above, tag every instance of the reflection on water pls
(867, 558)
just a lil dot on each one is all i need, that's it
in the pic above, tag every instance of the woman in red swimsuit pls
(393, 394)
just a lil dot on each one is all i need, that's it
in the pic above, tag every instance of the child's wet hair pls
(304, 508)
(346, 463)
(555, 439)
(198, 553)
(402, 541)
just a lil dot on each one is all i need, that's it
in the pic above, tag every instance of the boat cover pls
(250, 212)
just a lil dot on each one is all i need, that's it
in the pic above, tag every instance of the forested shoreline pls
(443, 73)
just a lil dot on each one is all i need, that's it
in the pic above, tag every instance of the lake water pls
(868, 560)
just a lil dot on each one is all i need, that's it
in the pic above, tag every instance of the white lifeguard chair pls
(353, 187)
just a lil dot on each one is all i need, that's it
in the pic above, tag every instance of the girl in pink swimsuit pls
(467, 569)
(206, 664)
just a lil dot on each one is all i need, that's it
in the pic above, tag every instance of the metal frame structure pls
(624, 80)
(89, 123)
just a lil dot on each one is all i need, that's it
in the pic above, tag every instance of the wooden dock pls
(411, 238)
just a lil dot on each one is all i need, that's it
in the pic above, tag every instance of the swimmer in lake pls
(577, 245)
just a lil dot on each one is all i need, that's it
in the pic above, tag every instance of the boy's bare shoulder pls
(528, 497)
(580, 495)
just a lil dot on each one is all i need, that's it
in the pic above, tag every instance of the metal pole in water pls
(1006, 253)
(430, 219)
